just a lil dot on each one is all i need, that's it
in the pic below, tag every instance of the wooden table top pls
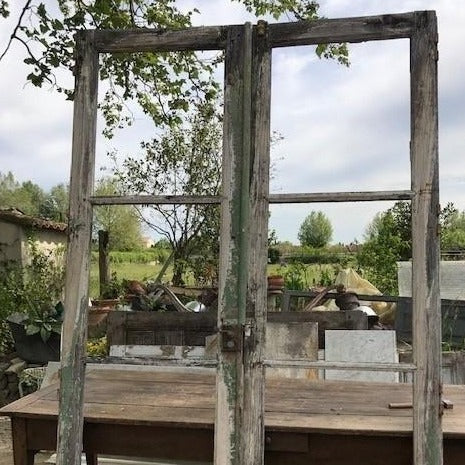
(176, 399)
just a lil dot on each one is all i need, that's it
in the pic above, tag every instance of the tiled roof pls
(12, 215)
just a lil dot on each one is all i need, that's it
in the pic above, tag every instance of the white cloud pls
(345, 129)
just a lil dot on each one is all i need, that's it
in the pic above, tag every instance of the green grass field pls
(308, 275)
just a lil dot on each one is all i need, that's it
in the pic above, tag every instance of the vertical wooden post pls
(252, 438)
(70, 420)
(425, 242)
(233, 260)
(103, 261)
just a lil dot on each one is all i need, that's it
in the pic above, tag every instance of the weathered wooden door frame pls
(239, 437)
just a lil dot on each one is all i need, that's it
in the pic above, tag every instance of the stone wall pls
(12, 374)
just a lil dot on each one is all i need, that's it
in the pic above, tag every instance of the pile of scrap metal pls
(154, 296)
(345, 301)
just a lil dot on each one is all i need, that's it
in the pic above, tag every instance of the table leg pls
(21, 454)
(91, 458)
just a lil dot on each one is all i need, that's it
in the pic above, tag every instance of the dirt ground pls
(6, 455)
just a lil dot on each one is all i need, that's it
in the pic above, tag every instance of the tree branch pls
(15, 30)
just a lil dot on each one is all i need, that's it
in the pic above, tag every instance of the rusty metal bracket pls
(231, 337)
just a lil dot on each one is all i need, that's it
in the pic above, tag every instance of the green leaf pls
(32, 329)
(56, 328)
(44, 334)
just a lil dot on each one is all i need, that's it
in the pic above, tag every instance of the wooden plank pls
(21, 454)
(174, 400)
(155, 199)
(252, 441)
(316, 197)
(189, 444)
(154, 328)
(358, 29)
(233, 263)
(78, 252)
(116, 328)
(425, 241)
(103, 261)
(322, 364)
(161, 40)
(159, 351)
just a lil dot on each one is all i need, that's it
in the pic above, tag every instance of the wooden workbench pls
(171, 415)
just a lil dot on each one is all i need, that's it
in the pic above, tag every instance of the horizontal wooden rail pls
(358, 29)
(158, 361)
(361, 29)
(160, 40)
(304, 364)
(274, 198)
(322, 364)
(368, 196)
(155, 199)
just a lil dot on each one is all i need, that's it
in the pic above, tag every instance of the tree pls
(121, 221)
(165, 85)
(452, 229)
(389, 240)
(55, 204)
(168, 87)
(32, 200)
(185, 160)
(316, 230)
(25, 196)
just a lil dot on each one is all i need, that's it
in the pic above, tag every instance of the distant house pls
(147, 242)
(16, 229)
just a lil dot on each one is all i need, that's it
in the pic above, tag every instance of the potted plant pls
(37, 335)
(275, 282)
(30, 303)
(108, 301)
(111, 294)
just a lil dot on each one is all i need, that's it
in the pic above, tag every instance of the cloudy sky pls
(343, 128)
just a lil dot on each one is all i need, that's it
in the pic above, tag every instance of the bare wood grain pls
(140, 398)
(341, 197)
(162, 40)
(155, 199)
(425, 242)
(233, 249)
(252, 441)
(305, 364)
(78, 253)
(21, 454)
(357, 29)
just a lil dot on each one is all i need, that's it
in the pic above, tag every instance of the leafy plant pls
(295, 276)
(97, 348)
(326, 277)
(389, 240)
(34, 291)
(114, 288)
(46, 321)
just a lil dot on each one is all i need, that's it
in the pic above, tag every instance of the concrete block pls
(361, 346)
(451, 276)
(291, 341)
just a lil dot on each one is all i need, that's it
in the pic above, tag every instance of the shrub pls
(274, 255)
(32, 290)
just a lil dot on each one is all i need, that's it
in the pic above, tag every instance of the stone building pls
(17, 229)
